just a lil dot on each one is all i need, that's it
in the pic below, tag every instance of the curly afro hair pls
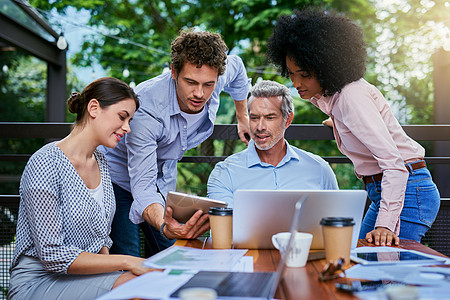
(199, 48)
(324, 43)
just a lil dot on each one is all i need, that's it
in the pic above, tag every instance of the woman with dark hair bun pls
(107, 91)
(67, 204)
(324, 54)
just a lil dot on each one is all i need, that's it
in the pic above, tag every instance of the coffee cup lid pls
(220, 211)
(337, 221)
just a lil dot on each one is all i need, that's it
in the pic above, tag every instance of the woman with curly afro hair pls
(324, 54)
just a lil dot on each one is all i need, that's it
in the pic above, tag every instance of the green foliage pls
(22, 99)
(154, 24)
(192, 177)
(401, 58)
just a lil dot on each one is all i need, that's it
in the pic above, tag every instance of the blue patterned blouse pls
(58, 219)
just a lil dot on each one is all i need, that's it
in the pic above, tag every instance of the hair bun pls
(75, 103)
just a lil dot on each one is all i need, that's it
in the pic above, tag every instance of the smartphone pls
(359, 286)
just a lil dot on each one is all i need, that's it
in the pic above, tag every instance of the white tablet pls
(401, 256)
(185, 205)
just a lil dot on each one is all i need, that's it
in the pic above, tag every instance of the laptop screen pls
(259, 214)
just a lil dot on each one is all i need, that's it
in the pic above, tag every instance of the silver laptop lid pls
(259, 214)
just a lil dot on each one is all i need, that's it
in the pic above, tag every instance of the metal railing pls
(224, 132)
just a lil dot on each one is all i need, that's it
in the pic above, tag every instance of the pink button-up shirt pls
(367, 132)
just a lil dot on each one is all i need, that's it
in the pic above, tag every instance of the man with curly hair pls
(324, 55)
(177, 113)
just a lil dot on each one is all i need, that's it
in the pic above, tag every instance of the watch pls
(161, 231)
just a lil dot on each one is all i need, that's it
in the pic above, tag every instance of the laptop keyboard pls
(233, 284)
(246, 284)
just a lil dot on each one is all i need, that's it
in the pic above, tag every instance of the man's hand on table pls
(192, 229)
(382, 236)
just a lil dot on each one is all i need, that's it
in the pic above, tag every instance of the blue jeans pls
(125, 234)
(421, 205)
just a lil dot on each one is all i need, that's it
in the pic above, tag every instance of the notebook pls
(245, 285)
(259, 214)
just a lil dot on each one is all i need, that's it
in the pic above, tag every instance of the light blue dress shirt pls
(298, 170)
(146, 159)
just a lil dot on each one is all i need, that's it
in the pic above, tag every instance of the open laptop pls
(246, 285)
(259, 214)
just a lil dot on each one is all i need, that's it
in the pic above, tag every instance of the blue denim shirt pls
(146, 159)
(298, 170)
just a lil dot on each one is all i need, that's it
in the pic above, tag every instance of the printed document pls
(185, 258)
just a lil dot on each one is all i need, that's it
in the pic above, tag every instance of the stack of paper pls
(180, 264)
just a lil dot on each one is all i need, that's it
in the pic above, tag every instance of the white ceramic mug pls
(300, 248)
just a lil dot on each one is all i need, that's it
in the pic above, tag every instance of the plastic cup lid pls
(220, 211)
(337, 222)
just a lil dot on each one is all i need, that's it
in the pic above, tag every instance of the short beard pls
(269, 146)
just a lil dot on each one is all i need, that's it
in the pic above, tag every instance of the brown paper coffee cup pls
(337, 238)
(221, 222)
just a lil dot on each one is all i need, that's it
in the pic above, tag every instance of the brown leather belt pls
(369, 179)
(377, 177)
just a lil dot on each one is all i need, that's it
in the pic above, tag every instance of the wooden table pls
(303, 283)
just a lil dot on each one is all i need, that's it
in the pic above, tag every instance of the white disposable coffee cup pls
(300, 248)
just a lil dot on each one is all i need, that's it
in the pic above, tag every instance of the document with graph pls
(195, 259)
